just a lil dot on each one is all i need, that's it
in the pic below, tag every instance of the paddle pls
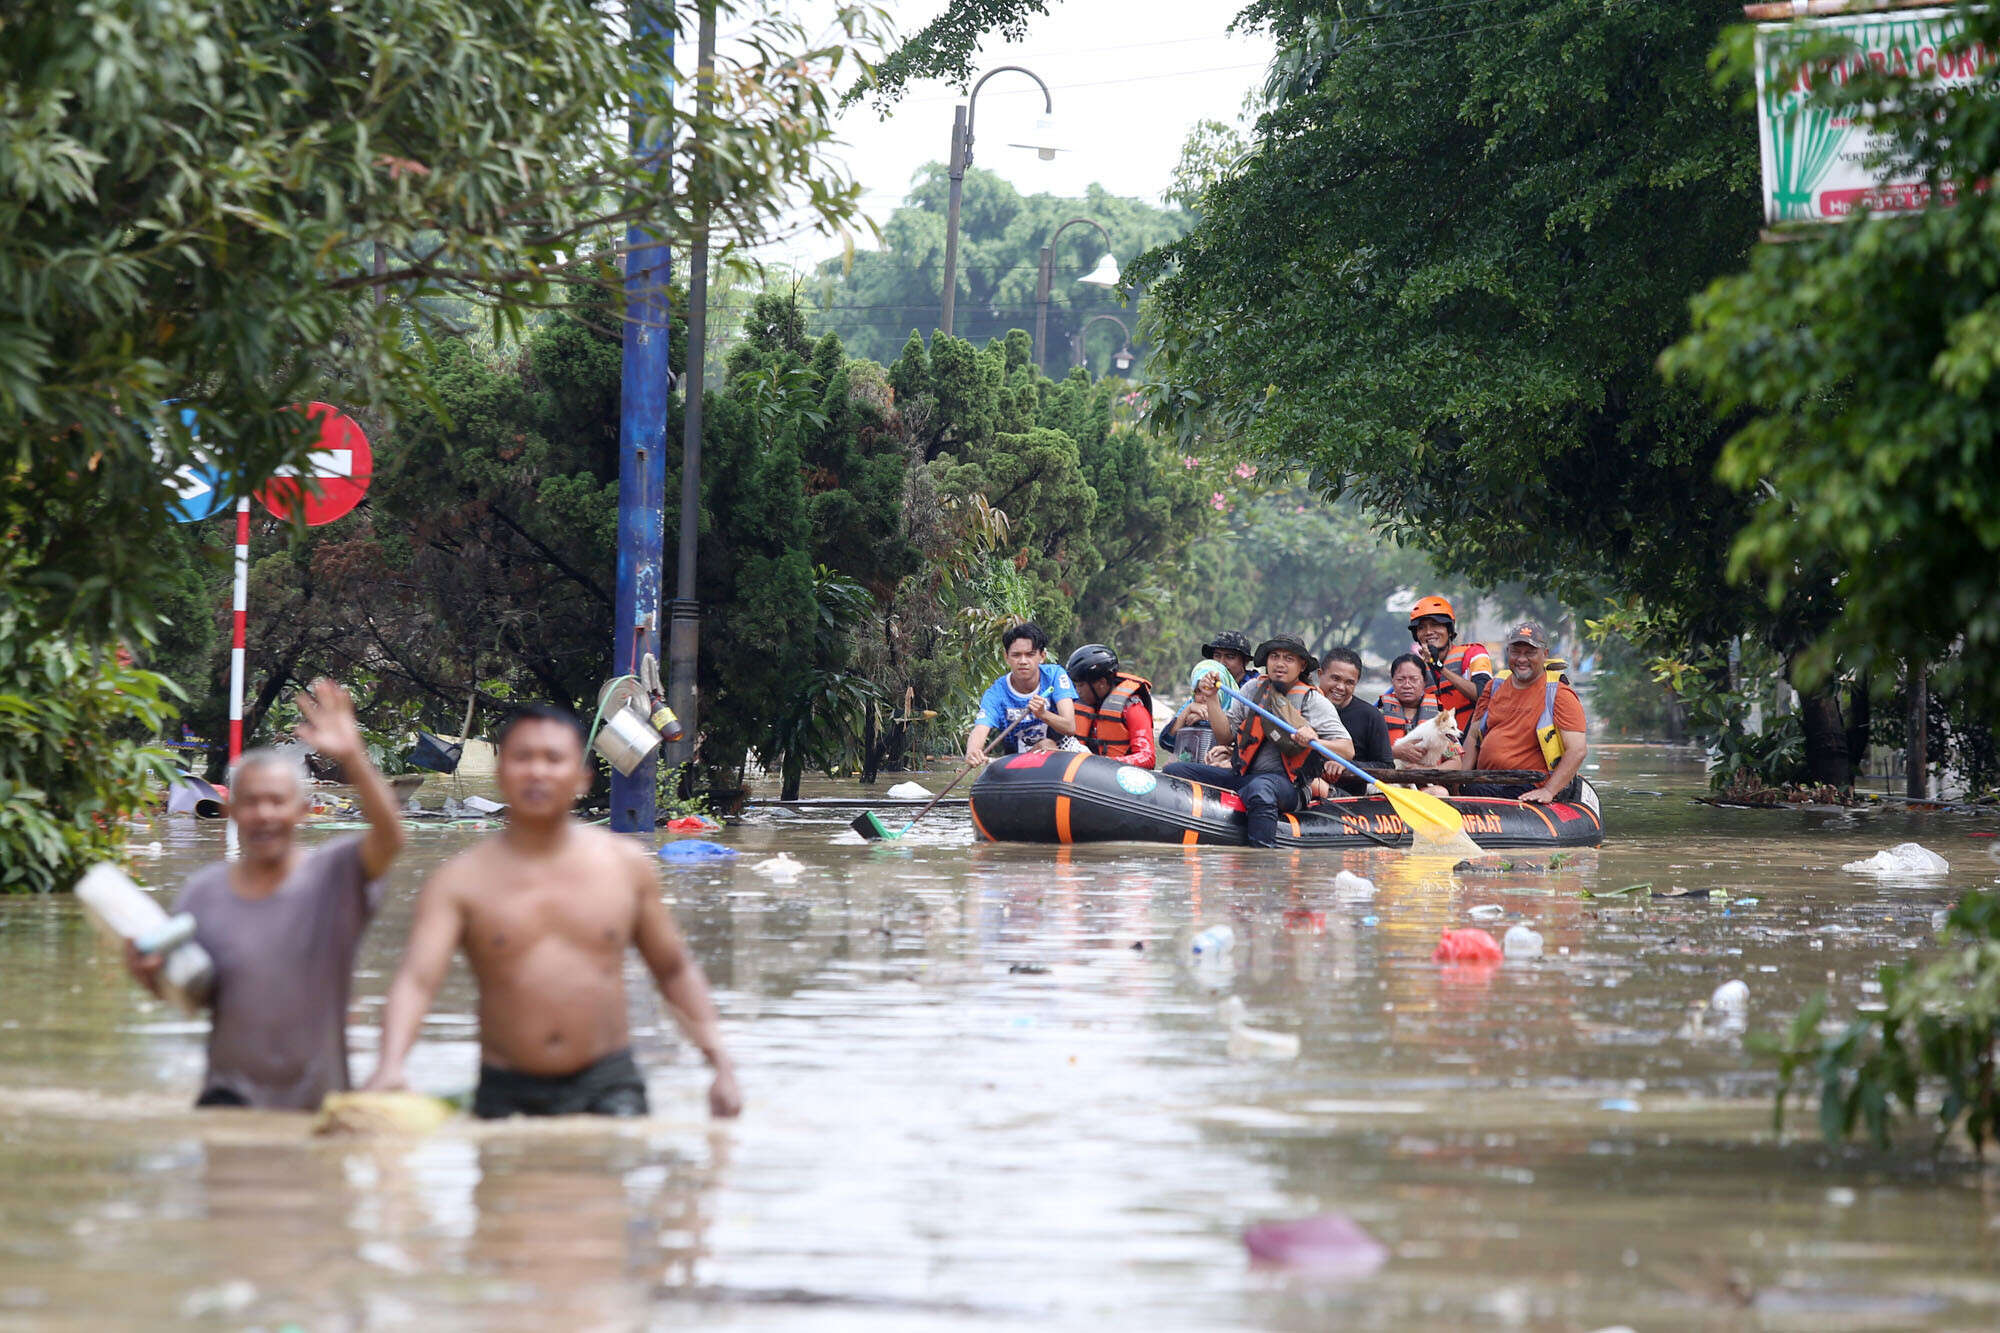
(871, 827)
(1422, 812)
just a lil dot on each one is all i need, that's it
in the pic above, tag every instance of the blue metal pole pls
(642, 468)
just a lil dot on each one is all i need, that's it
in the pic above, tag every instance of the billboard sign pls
(1820, 163)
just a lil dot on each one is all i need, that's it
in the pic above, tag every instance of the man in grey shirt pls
(1266, 768)
(283, 924)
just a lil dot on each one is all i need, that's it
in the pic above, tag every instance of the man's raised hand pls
(327, 723)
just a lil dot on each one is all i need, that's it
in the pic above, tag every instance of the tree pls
(240, 206)
(875, 297)
(1858, 361)
(1442, 278)
(203, 191)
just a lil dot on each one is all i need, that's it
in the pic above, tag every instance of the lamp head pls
(1044, 140)
(1104, 275)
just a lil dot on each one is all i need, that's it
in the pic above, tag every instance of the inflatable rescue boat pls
(1065, 796)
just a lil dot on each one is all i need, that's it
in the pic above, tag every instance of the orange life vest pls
(1448, 695)
(1250, 736)
(1101, 727)
(1399, 725)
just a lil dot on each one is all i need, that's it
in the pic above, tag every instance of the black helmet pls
(1290, 643)
(1091, 661)
(1229, 641)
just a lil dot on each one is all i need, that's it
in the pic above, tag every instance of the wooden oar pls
(1422, 812)
(870, 826)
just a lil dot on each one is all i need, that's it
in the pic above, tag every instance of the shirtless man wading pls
(545, 912)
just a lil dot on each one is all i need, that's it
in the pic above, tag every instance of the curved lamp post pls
(961, 158)
(1104, 275)
(1121, 360)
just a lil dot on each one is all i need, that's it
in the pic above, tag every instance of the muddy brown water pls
(975, 1103)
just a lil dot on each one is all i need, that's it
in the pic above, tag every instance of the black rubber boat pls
(1062, 796)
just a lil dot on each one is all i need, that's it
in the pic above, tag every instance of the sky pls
(1130, 78)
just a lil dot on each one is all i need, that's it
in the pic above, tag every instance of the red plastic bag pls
(1470, 945)
(692, 824)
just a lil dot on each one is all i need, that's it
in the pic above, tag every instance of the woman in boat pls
(1409, 703)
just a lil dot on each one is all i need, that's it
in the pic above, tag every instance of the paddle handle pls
(988, 751)
(1277, 721)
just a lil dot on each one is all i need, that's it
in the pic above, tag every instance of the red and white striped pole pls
(240, 607)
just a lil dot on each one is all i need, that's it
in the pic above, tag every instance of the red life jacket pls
(1101, 727)
(1448, 695)
(1250, 736)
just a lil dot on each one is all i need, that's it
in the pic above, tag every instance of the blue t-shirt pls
(1000, 705)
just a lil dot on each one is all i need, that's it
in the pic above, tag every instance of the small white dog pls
(1429, 744)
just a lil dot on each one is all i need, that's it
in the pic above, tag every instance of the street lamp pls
(1104, 275)
(961, 158)
(1121, 360)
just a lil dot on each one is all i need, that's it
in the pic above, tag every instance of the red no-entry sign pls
(341, 467)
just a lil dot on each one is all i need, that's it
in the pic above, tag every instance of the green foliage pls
(872, 298)
(946, 47)
(1441, 278)
(72, 761)
(819, 723)
(1625, 699)
(197, 193)
(1935, 1029)
(1284, 561)
(1858, 362)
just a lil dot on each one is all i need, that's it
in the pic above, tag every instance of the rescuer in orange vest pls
(1114, 709)
(1458, 672)
(1268, 769)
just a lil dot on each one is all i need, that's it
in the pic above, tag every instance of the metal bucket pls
(625, 740)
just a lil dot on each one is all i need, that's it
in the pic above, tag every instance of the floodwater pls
(976, 1102)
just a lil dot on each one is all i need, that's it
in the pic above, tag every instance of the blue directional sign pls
(200, 489)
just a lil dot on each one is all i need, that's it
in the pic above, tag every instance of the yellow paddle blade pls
(1428, 816)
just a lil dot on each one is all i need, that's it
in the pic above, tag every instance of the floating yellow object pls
(408, 1113)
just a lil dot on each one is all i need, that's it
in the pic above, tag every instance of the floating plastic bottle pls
(1212, 941)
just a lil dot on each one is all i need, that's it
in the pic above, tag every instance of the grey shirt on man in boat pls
(1319, 714)
(283, 969)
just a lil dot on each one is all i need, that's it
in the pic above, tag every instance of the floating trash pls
(1731, 997)
(694, 849)
(781, 868)
(1352, 887)
(1329, 1245)
(1248, 1043)
(908, 791)
(1467, 945)
(1521, 942)
(1905, 858)
(1486, 911)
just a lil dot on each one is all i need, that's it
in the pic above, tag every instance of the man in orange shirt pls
(1527, 720)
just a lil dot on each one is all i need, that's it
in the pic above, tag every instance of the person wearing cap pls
(1529, 719)
(1114, 709)
(1188, 735)
(1458, 672)
(1269, 769)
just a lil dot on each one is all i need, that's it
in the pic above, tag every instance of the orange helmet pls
(1433, 606)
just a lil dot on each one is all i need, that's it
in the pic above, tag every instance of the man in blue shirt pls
(1038, 695)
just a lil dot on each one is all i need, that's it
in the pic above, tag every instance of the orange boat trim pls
(1062, 817)
(1069, 774)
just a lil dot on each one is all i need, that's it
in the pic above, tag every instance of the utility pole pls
(1916, 758)
(684, 630)
(642, 459)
